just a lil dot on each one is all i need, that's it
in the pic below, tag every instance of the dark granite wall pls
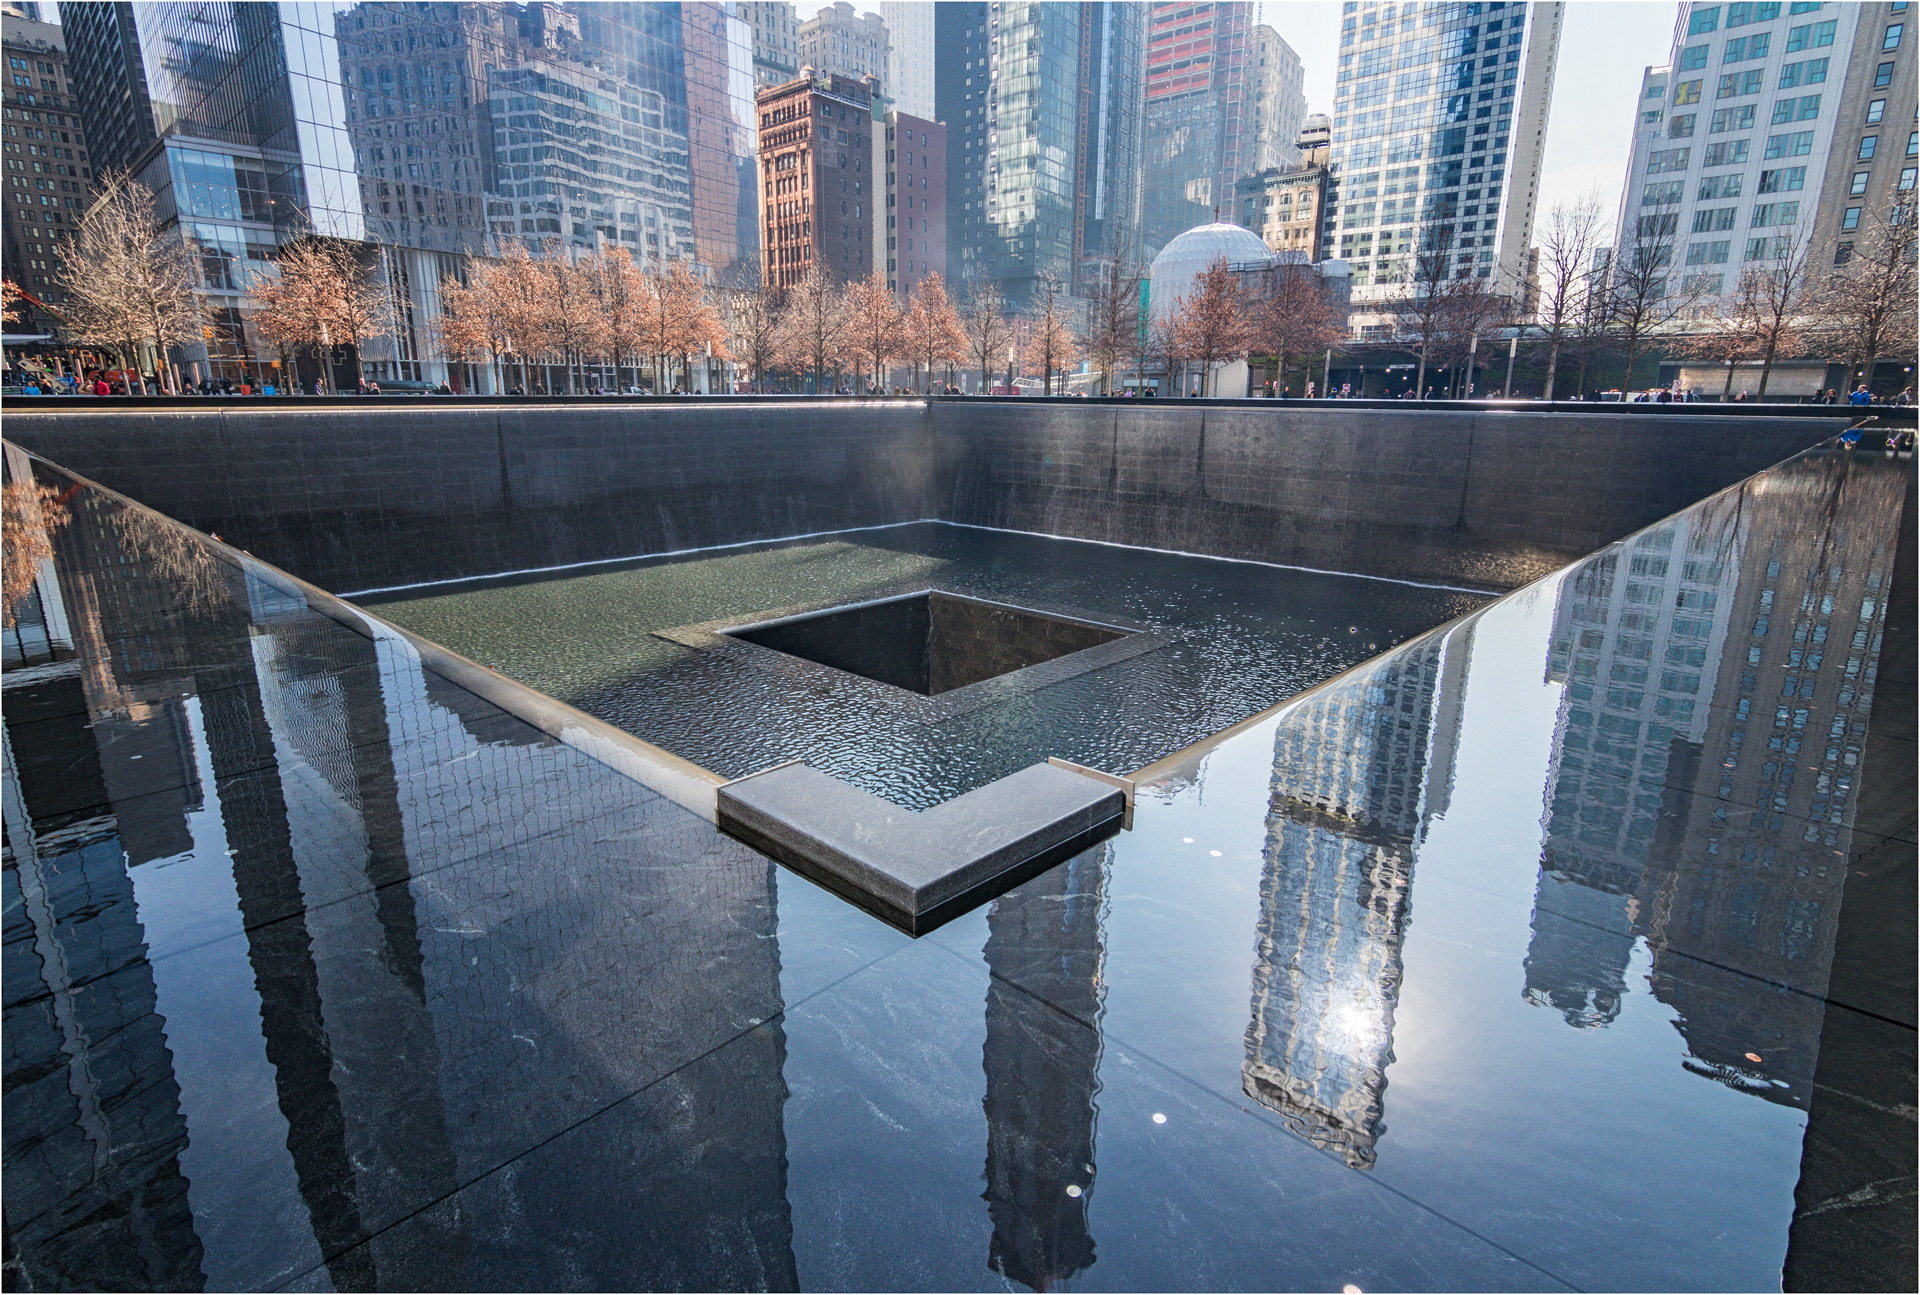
(355, 496)
(1491, 499)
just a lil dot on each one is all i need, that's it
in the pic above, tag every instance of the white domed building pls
(1185, 259)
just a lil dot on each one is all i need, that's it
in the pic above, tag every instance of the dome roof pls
(1185, 258)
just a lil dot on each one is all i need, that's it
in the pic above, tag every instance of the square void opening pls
(929, 642)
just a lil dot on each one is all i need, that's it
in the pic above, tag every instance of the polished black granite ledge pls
(1568, 946)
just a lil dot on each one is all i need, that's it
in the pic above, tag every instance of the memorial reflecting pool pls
(1517, 958)
(1217, 641)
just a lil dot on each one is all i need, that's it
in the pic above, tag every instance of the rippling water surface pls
(1240, 637)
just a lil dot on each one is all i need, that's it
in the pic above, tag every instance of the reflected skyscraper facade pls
(436, 131)
(253, 861)
(1046, 941)
(1359, 771)
(1718, 675)
(1043, 107)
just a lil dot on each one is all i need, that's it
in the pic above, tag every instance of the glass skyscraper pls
(1203, 94)
(1439, 120)
(1042, 104)
(433, 131)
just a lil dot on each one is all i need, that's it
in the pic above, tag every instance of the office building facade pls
(1280, 106)
(910, 163)
(429, 133)
(1043, 110)
(776, 40)
(1876, 152)
(1758, 109)
(817, 173)
(839, 41)
(48, 168)
(1202, 99)
(1440, 114)
(1284, 204)
(908, 80)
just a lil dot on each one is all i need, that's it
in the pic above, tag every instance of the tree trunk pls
(1766, 371)
(1420, 377)
(1553, 363)
(1726, 392)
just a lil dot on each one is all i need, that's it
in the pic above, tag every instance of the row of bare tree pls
(130, 284)
(1787, 305)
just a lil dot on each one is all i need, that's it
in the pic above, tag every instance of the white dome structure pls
(1185, 258)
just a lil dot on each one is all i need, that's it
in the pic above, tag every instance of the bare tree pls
(1113, 324)
(1641, 300)
(755, 323)
(1422, 314)
(932, 333)
(988, 331)
(467, 328)
(128, 281)
(1212, 321)
(1469, 312)
(677, 321)
(1166, 347)
(1771, 297)
(1294, 317)
(1721, 335)
(873, 328)
(816, 324)
(620, 295)
(335, 282)
(516, 288)
(1566, 260)
(1051, 342)
(574, 321)
(1865, 309)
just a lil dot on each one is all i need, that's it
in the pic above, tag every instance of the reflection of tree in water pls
(1046, 947)
(32, 513)
(176, 559)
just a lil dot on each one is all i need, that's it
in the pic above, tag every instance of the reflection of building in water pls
(1047, 938)
(92, 1111)
(1358, 773)
(1714, 818)
(1637, 643)
(347, 822)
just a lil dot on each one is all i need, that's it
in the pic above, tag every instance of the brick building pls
(816, 177)
(48, 172)
(911, 165)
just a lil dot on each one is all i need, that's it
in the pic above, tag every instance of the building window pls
(1705, 18)
(1686, 92)
(1868, 143)
(1906, 180)
(1851, 220)
(1883, 75)
(1892, 39)
(1842, 253)
(1859, 185)
(1785, 180)
(1875, 111)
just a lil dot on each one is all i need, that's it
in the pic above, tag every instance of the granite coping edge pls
(917, 870)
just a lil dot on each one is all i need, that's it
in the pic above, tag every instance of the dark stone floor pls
(1564, 948)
